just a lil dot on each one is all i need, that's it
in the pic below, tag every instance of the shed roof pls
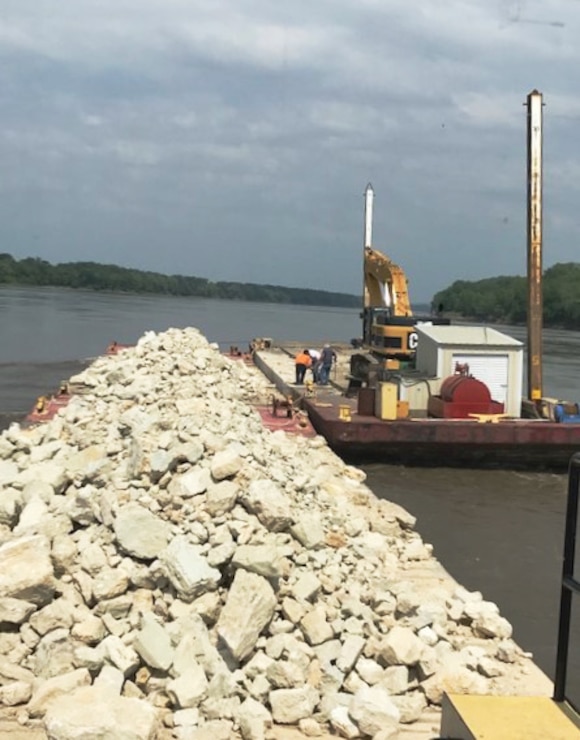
(467, 336)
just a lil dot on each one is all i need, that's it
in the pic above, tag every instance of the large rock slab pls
(26, 570)
(270, 504)
(249, 608)
(90, 713)
(140, 533)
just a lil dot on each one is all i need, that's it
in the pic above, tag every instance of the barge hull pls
(525, 443)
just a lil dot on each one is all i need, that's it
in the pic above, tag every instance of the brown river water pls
(498, 532)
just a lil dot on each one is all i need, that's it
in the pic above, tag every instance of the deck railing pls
(567, 678)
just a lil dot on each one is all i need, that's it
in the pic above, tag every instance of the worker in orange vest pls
(302, 362)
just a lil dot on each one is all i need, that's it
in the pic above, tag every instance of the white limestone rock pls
(50, 472)
(190, 484)
(254, 719)
(226, 464)
(221, 497)
(10, 506)
(249, 607)
(120, 655)
(341, 722)
(8, 472)
(401, 647)
(189, 688)
(15, 611)
(315, 626)
(90, 712)
(59, 613)
(373, 710)
(291, 705)
(307, 587)
(369, 670)
(48, 690)
(350, 652)
(26, 570)
(308, 530)
(265, 560)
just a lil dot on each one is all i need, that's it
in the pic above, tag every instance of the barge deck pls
(356, 434)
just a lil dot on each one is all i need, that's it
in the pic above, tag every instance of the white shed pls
(493, 357)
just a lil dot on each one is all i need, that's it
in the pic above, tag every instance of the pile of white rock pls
(171, 569)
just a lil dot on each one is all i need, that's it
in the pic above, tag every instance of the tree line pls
(95, 276)
(504, 299)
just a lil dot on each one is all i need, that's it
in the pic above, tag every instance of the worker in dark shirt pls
(327, 359)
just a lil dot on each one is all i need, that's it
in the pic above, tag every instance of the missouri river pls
(498, 532)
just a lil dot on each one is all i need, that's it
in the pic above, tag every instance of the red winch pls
(460, 396)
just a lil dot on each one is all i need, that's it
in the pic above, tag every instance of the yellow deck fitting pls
(344, 413)
(505, 718)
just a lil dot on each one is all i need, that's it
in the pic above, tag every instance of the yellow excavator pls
(389, 338)
(388, 321)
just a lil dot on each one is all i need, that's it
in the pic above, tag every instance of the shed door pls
(490, 369)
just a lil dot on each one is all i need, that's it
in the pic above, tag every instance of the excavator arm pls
(385, 284)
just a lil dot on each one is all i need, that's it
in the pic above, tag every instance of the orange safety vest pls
(302, 359)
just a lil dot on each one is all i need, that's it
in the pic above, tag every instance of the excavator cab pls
(388, 335)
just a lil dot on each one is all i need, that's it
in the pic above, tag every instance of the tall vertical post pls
(534, 237)
(368, 234)
(369, 196)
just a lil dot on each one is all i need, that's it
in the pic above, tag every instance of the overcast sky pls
(233, 139)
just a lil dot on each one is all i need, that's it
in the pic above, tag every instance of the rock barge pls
(390, 422)
(170, 568)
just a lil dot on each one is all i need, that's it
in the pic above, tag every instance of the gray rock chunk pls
(153, 644)
(270, 504)
(265, 560)
(188, 570)
(308, 530)
(140, 533)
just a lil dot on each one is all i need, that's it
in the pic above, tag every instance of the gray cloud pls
(233, 139)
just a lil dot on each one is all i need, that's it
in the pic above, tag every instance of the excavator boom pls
(385, 284)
